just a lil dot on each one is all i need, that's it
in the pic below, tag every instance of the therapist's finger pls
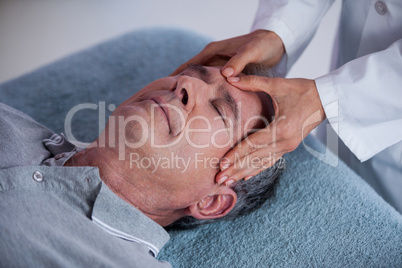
(237, 63)
(255, 172)
(249, 145)
(201, 58)
(258, 171)
(267, 137)
(256, 83)
(248, 166)
(248, 173)
(180, 69)
(206, 55)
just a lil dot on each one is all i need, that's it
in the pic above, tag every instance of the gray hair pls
(251, 194)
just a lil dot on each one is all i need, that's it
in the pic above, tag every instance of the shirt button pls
(37, 176)
(58, 156)
(381, 7)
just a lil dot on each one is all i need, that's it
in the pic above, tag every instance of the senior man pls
(65, 206)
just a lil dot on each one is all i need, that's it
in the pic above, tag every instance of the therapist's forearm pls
(295, 22)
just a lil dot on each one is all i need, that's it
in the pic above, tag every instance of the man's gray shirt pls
(55, 216)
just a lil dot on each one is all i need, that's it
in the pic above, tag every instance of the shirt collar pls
(110, 212)
(61, 150)
(123, 220)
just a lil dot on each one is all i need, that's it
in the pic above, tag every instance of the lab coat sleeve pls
(294, 21)
(363, 100)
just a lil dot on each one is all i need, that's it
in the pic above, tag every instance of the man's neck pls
(136, 194)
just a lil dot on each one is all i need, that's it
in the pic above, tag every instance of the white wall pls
(36, 32)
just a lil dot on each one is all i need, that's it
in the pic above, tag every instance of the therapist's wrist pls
(316, 102)
(274, 43)
(279, 43)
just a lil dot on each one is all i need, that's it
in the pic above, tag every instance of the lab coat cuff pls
(328, 96)
(347, 131)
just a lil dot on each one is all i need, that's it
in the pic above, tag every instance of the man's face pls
(174, 132)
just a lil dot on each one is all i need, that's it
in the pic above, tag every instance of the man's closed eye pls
(220, 111)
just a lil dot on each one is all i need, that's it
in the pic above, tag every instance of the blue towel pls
(320, 216)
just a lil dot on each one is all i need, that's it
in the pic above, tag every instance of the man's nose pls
(183, 95)
(187, 90)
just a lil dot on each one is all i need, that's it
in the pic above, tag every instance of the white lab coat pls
(363, 98)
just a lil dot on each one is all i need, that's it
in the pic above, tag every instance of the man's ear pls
(214, 206)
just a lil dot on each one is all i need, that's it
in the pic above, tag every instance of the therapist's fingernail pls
(247, 178)
(229, 182)
(225, 166)
(233, 79)
(222, 179)
(228, 72)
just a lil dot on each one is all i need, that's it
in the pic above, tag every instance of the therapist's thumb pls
(252, 83)
(235, 65)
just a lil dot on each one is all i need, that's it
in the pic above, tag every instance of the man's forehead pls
(227, 91)
(231, 93)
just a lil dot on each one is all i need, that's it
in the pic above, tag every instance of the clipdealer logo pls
(117, 126)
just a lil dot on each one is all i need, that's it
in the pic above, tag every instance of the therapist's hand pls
(261, 46)
(298, 110)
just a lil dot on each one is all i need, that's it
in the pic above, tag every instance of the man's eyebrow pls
(200, 70)
(205, 74)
